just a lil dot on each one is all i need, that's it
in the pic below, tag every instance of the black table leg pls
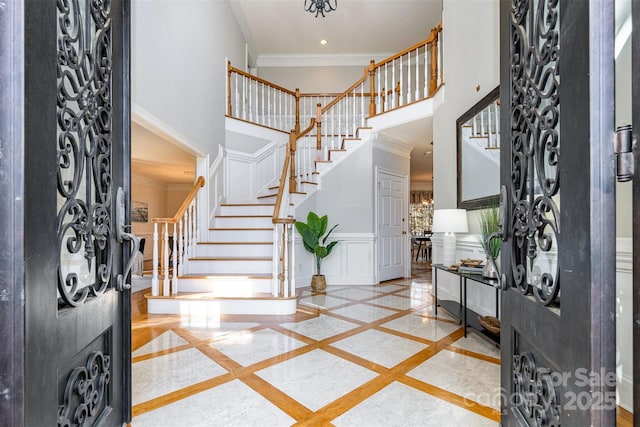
(435, 288)
(464, 308)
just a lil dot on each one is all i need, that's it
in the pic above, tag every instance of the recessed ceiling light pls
(323, 41)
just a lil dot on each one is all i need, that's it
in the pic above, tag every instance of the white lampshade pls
(450, 221)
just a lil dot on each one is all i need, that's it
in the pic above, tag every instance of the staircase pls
(231, 271)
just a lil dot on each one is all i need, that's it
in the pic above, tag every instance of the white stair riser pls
(364, 133)
(224, 267)
(307, 188)
(322, 166)
(337, 155)
(226, 286)
(247, 235)
(247, 210)
(245, 222)
(208, 250)
(351, 144)
(200, 310)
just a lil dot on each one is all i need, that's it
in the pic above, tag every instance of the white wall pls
(471, 58)
(178, 65)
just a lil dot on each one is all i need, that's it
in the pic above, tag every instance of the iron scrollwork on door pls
(535, 147)
(536, 400)
(85, 394)
(84, 114)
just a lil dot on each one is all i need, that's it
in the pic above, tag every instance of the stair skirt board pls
(227, 285)
(205, 307)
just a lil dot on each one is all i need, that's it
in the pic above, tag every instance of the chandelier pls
(320, 6)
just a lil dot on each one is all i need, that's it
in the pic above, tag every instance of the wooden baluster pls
(174, 282)
(229, 107)
(489, 127)
(372, 88)
(285, 263)
(262, 110)
(250, 84)
(497, 123)
(155, 291)
(187, 229)
(440, 55)
(244, 100)
(192, 248)
(292, 261)
(362, 115)
(165, 260)
(386, 85)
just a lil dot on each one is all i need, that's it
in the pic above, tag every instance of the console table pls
(459, 309)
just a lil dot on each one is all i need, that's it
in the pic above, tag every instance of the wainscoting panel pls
(350, 263)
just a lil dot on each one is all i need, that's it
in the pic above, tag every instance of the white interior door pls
(392, 229)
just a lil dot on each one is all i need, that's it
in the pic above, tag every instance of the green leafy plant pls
(490, 223)
(314, 238)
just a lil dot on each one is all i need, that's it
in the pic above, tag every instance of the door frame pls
(406, 253)
(12, 279)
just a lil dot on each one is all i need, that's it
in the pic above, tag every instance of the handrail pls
(433, 36)
(258, 79)
(346, 92)
(185, 204)
(185, 235)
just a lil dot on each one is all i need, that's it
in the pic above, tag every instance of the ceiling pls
(156, 158)
(281, 31)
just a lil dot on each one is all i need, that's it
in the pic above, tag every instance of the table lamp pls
(449, 222)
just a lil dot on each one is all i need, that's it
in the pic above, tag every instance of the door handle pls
(122, 235)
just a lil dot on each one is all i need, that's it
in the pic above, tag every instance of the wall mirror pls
(478, 134)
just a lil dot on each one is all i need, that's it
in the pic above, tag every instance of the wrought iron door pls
(635, 64)
(558, 178)
(70, 147)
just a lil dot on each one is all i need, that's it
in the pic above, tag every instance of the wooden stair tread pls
(308, 182)
(213, 296)
(241, 228)
(260, 276)
(247, 204)
(244, 216)
(267, 196)
(235, 243)
(231, 259)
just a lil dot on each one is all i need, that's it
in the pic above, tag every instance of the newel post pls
(372, 88)
(297, 128)
(293, 142)
(433, 82)
(319, 127)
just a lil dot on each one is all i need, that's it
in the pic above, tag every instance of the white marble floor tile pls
(389, 288)
(466, 376)
(321, 327)
(430, 311)
(249, 348)
(355, 293)
(384, 349)
(399, 405)
(161, 375)
(418, 326)
(166, 340)
(476, 343)
(214, 407)
(363, 312)
(316, 378)
(224, 330)
(322, 301)
(399, 302)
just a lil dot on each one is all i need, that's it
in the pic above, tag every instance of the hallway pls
(357, 356)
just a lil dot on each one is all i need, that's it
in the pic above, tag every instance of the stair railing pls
(486, 124)
(409, 76)
(258, 101)
(184, 229)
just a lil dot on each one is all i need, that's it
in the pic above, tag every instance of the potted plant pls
(315, 241)
(489, 227)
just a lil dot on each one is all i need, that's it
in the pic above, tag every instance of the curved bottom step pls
(208, 306)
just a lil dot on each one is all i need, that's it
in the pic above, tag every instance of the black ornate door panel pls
(635, 48)
(558, 255)
(77, 322)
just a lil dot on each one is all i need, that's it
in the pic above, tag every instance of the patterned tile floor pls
(355, 356)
